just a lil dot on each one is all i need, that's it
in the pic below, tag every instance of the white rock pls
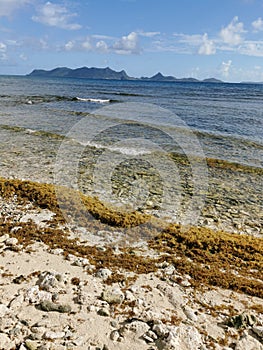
(3, 310)
(129, 296)
(5, 342)
(56, 251)
(39, 218)
(71, 257)
(114, 336)
(17, 302)
(11, 241)
(137, 327)
(22, 347)
(161, 330)
(248, 343)
(113, 296)
(4, 237)
(152, 334)
(169, 270)
(34, 295)
(258, 330)
(190, 313)
(79, 341)
(53, 335)
(184, 338)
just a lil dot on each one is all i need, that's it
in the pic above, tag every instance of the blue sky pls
(197, 38)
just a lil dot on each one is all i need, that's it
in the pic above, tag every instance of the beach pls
(168, 257)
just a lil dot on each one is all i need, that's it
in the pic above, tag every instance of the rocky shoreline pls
(64, 290)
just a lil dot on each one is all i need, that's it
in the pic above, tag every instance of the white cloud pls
(127, 44)
(207, 47)
(69, 45)
(102, 37)
(231, 34)
(193, 39)
(2, 47)
(86, 45)
(225, 68)
(148, 34)
(7, 7)
(23, 57)
(3, 55)
(102, 46)
(258, 24)
(55, 15)
(252, 48)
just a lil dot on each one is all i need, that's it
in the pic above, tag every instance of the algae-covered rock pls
(242, 321)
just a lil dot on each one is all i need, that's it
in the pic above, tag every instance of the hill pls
(108, 73)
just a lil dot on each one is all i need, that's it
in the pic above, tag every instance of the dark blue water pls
(226, 119)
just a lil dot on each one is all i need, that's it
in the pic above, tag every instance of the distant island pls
(110, 74)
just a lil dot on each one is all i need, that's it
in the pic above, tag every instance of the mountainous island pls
(110, 74)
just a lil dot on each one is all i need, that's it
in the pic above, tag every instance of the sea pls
(49, 126)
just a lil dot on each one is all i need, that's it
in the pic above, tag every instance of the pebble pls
(137, 327)
(104, 312)
(4, 237)
(115, 335)
(12, 241)
(113, 296)
(31, 344)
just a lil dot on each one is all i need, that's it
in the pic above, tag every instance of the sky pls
(183, 38)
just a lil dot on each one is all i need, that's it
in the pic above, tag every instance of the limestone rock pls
(248, 343)
(3, 310)
(31, 345)
(113, 296)
(34, 295)
(47, 280)
(190, 313)
(54, 335)
(139, 328)
(50, 306)
(5, 342)
(183, 337)
(259, 331)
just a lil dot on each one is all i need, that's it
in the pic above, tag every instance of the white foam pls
(129, 151)
(96, 100)
(30, 131)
